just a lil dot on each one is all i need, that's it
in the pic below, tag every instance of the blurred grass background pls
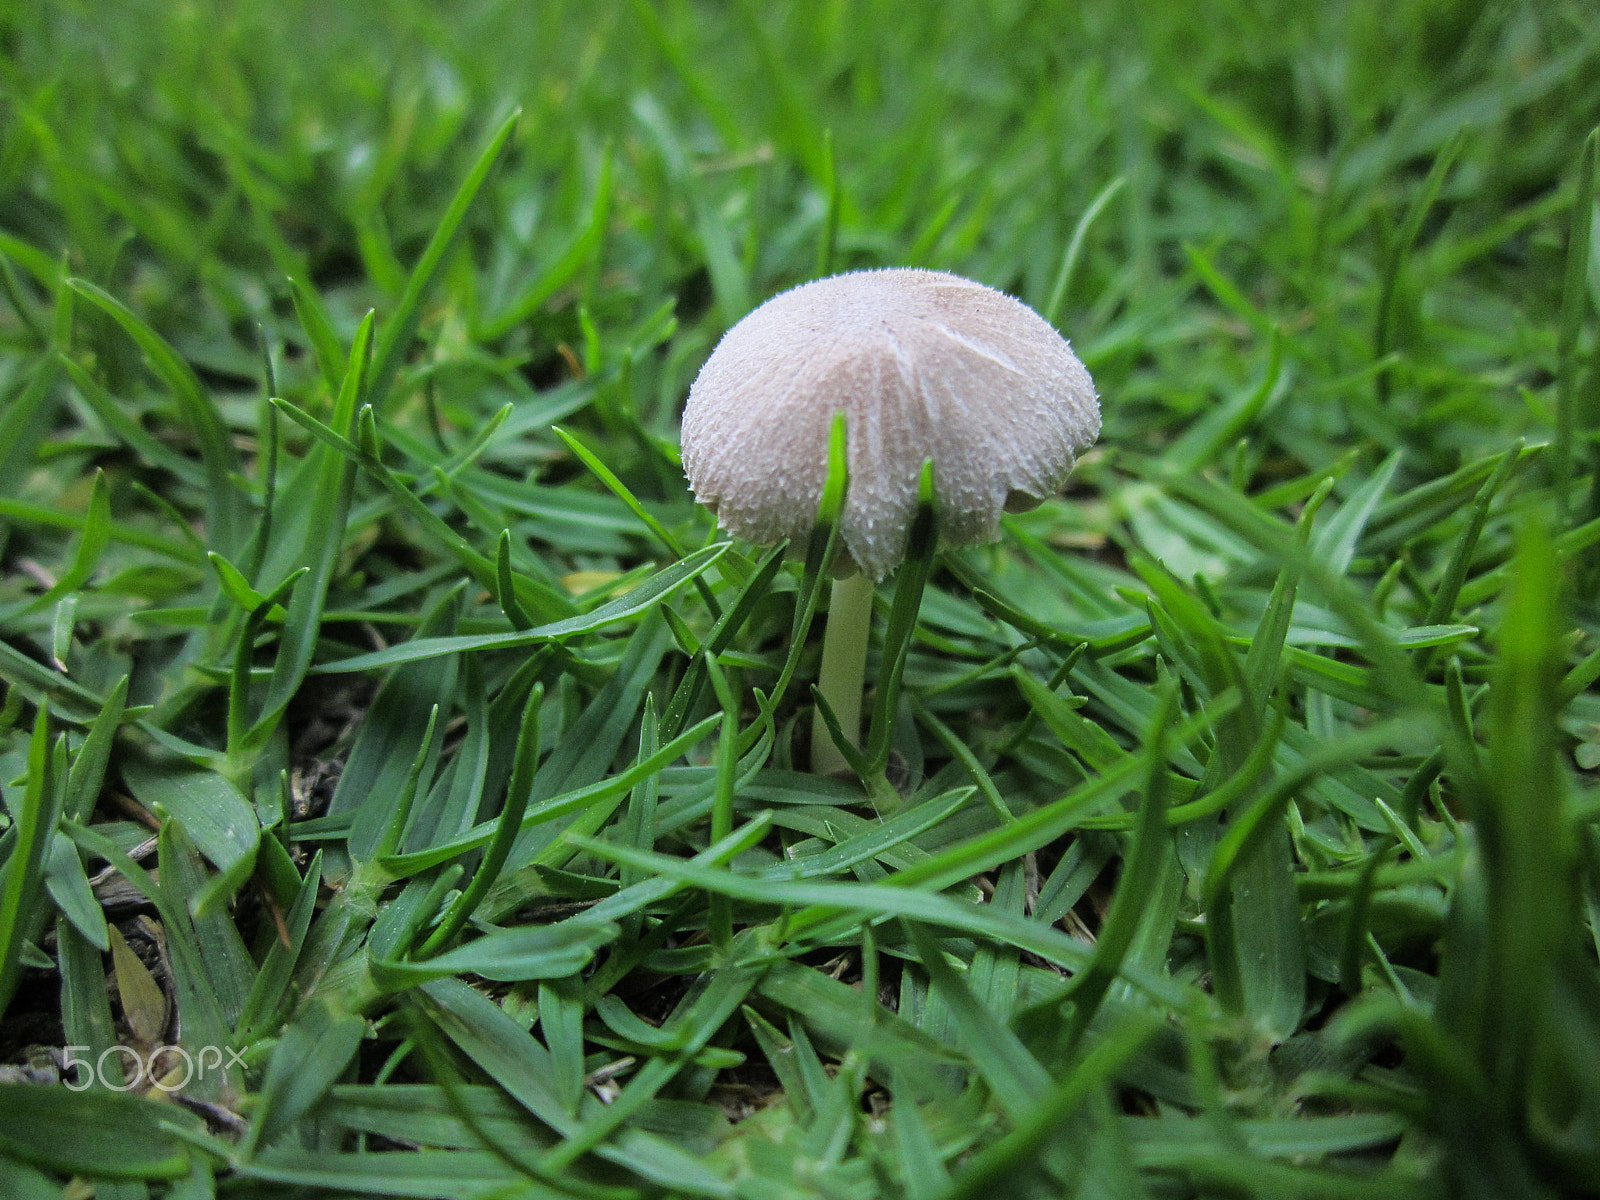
(191, 155)
(1331, 267)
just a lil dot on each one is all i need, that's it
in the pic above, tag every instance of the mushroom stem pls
(844, 670)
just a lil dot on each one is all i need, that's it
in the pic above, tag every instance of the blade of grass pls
(584, 246)
(400, 865)
(1074, 250)
(640, 600)
(334, 486)
(271, 982)
(1394, 264)
(24, 874)
(310, 1055)
(1142, 865)
(85, 556)
(224, 504)
(395, 340)
(984, 1172)
(510, 822)
(1574, 292)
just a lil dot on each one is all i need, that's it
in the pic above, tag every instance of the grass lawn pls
(406, 785)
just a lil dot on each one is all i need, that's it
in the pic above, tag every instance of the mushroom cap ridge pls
(925, 364)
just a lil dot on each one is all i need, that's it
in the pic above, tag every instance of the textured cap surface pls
(925, 365)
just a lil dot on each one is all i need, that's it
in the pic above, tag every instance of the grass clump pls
(424, 775)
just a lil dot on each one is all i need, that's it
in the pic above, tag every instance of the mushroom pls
(924, 365)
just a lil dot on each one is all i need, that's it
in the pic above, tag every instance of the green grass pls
(1228, 829)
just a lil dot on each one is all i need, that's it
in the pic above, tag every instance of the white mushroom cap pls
(925, 365)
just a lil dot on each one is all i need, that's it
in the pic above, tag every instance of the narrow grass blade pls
(1383, 331)
(1497, 1004)
(201, 1017)
(535, 952)
(698, 1017)
(89, 762)
(24, 873)
(24, 423)
(271, 981)
(819, 900)
(395, 339)
(983, 1174)
(525, 760)
(910, 582)
(1448, 592)
(309, 1057)
(319, 330)
(1575, 289)
(334, 484)
(619, 489)
(86, 1021)
(547, 810)
(1334, 544)
(828, 236)
(584, 247)
(224, 504)
(640, 600)
(85, 556)
(1013, 1074)
(1208, 437)
(94, 1133)
(229, 969)
(1142, 866)
(146, 445)
(1074, 251)
(544, 601)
